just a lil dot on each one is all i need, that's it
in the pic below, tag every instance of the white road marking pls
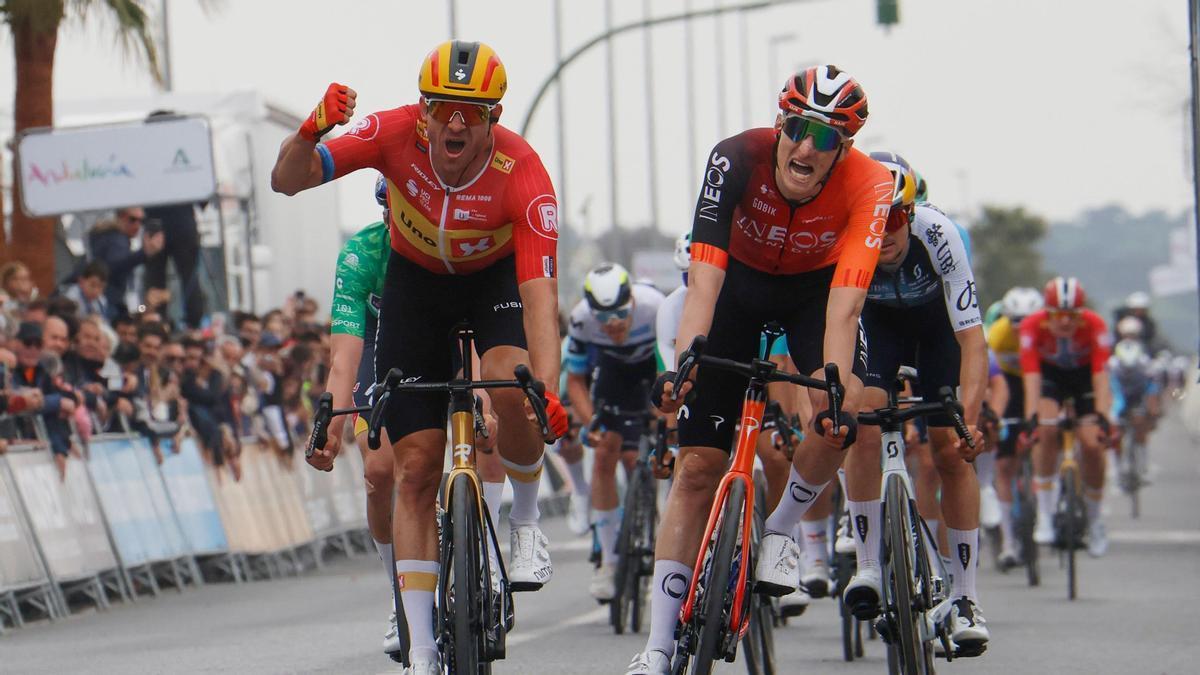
(598, 614)
(1156, 536)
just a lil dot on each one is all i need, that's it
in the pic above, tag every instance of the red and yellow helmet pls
(827, 94)
(463, 71)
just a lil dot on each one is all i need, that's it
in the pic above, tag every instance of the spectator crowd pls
(101, 354)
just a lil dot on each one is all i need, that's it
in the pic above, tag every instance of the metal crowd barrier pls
(120, 524)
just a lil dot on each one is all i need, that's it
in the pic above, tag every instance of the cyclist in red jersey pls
(1064, 350)
(474, 230)
(787, 228)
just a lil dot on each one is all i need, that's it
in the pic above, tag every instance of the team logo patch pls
(412, 188)
(365, 128)
(542, 215)
(503, 163)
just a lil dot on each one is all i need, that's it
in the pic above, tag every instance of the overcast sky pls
(1057, 105)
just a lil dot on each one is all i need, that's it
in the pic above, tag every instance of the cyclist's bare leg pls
(1045, 459)
(863, 478)
(698, 470)
(604, 494)
(518, 441)
(960, 510)
(927, 482)
(381, 486)
(1092, 466)
(418, 470)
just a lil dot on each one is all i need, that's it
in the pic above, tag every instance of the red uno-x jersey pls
(1087, 347)
(508, 209)
(741, 213)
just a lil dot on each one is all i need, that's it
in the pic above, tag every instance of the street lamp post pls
(773, 44)
(560, 112)
(1194, 46)
(612, 114)
(652, 157)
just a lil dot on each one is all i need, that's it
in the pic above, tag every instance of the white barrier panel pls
(192, 497)
(19, 563)
(64, 514)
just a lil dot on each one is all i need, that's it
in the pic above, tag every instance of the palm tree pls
(35, 25)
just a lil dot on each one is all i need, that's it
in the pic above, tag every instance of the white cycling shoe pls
(424, 666)
(777, 572)
(863, 593)
(1043, 532)
(649, 662)
(391, 639)
(794, 603)
(1097, 543)
(529, 560)
(603, 584)
(969, 631)
(845, 538)
(579, 513)
(816, 578)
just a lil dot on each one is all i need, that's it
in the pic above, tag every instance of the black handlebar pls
(535, 391)
(947, 405)
(320, 430)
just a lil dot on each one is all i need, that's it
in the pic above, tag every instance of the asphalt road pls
(1137, 613)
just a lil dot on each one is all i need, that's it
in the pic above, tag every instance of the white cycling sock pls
(607, 523)
(1093, 508)
(985, 468)
(417, 580)
(815, 539)
(671, 579)
(578, 480)
(493, 493)
(385, 554)
(525, 479)
(798, 496)
(1046, 488)
(1009, 538)
(964, 547)
(864, 527)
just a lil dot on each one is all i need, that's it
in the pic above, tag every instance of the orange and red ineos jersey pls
(741, 213)
(1087, 347)
(508, 209)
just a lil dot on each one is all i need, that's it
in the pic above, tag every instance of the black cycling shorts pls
(748, 300)
(622, 395)
(365, 379)
(416, 331)
(1014, 410)
(1061, 384)
(920, 336)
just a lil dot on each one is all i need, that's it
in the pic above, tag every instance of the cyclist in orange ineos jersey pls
(474, 230)
(788, 228)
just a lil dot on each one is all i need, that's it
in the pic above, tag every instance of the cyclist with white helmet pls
(1137, 305)
(1004, 339)
(614, 324)
(1135, 390)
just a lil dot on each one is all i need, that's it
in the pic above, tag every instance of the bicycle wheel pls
(848, 628)
(1134, 478)
(625, 608)
(1072, 519)
(898, 530)
(466, 587)
(716, 596)
(759, 644)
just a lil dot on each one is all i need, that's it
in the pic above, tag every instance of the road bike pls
(916, 603)
(1131, 474)
(635, 538)
(716, 612)
(474, 602)
(1070, 513)
(1024, 506)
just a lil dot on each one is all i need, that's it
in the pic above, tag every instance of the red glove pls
(556, 415)
(336, 107)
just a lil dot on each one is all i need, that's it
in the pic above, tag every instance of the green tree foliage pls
(1004, 251)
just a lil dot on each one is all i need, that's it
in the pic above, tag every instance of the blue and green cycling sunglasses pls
(825, 137)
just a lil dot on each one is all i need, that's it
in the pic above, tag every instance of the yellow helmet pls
(463, 71)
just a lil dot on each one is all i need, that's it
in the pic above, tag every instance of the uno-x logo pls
(964, 554)
(467, 248)
(801, 494)
(860, 525)
(674, 585)
(717, 421)
(893, 449)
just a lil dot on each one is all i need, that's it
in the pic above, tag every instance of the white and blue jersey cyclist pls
(611, 336)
